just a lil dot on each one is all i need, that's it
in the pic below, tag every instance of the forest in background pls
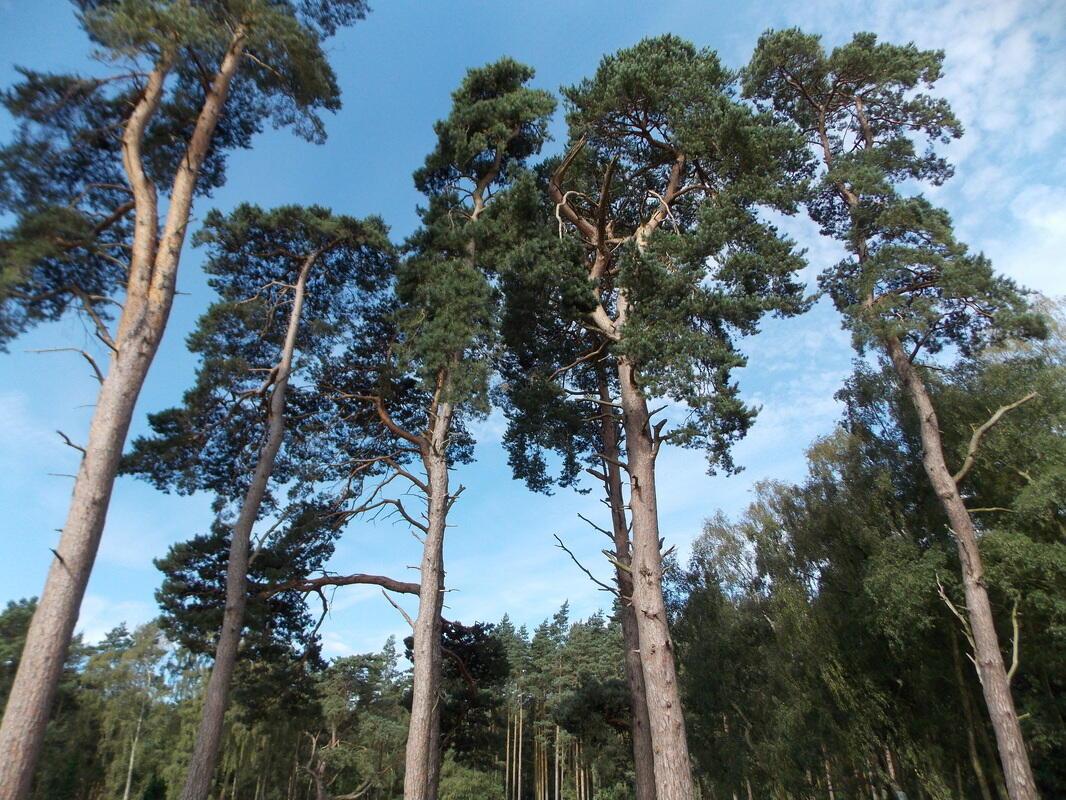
(891, 626)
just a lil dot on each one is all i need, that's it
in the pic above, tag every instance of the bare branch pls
(99, 375)
(604, 531)
(317, 584)
(396, 605)
(603, 586)
(979, 432)
(1014, 642)
(68, 443)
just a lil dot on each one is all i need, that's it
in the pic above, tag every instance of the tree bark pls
(1017, 772)
(971, 721)
(201, 770)
(423, 736)
(149, 296)
(639, 726)
(673, 770)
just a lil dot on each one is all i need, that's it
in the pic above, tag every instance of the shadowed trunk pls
(673, 770)
(643, 755)
(201, 770)
(422, 758)
(1017, 773)
(149, 296)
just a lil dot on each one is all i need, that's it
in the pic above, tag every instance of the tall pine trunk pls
(421, 776)
(1017, 773)
(149, 296)
(201, 770)
(673, 770)
(639, 724)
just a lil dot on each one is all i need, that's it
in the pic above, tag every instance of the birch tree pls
(101, 177)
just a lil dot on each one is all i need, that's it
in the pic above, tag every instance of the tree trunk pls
(133, 755)
(201, 770)
(149, 296)
(1017, 773)
(639, 725)
(423, 736)
(673, 770)
(970, 718)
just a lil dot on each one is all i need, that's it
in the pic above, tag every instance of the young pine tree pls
(84, 178)
(659, 192)
(291, 281)
(907, 287)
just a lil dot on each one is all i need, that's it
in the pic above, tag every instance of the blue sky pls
(1005, 69)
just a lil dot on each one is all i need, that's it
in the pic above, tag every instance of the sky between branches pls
(1005, 66)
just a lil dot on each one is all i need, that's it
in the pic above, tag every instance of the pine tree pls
(291, 282)
(659, 194)
(908, 287)
(87, 156)
(420, 370)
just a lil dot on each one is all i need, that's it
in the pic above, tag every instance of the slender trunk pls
(420, 775)
(970, 719)
(133, 754)
(673, 770)
(639, 725)
(201, 770)
(558, 766)
(521, 732)
(149, 296)
(507, 760)
(1017, 772)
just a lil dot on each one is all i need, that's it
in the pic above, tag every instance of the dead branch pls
(92, 362)
(358, 578)
(980, 431)
(1015, 639)
(604, 531)
(403, 613)
(603, 586)
(68, 443)
(963, 622)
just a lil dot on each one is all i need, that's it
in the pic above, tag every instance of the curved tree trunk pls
(639, 725)
(149, 296)
(422, 757)
(1017, 773)
(199, 776)
(673, 770)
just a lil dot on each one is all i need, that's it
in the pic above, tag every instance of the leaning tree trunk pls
(1017, 773)
(421, 764)
(149, 296)
(639, 725)
(200, 773)
(673, 770)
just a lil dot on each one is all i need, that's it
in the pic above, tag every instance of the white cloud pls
(100, 614)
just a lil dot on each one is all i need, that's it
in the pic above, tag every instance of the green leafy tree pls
(83, 178)
(907, 287)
